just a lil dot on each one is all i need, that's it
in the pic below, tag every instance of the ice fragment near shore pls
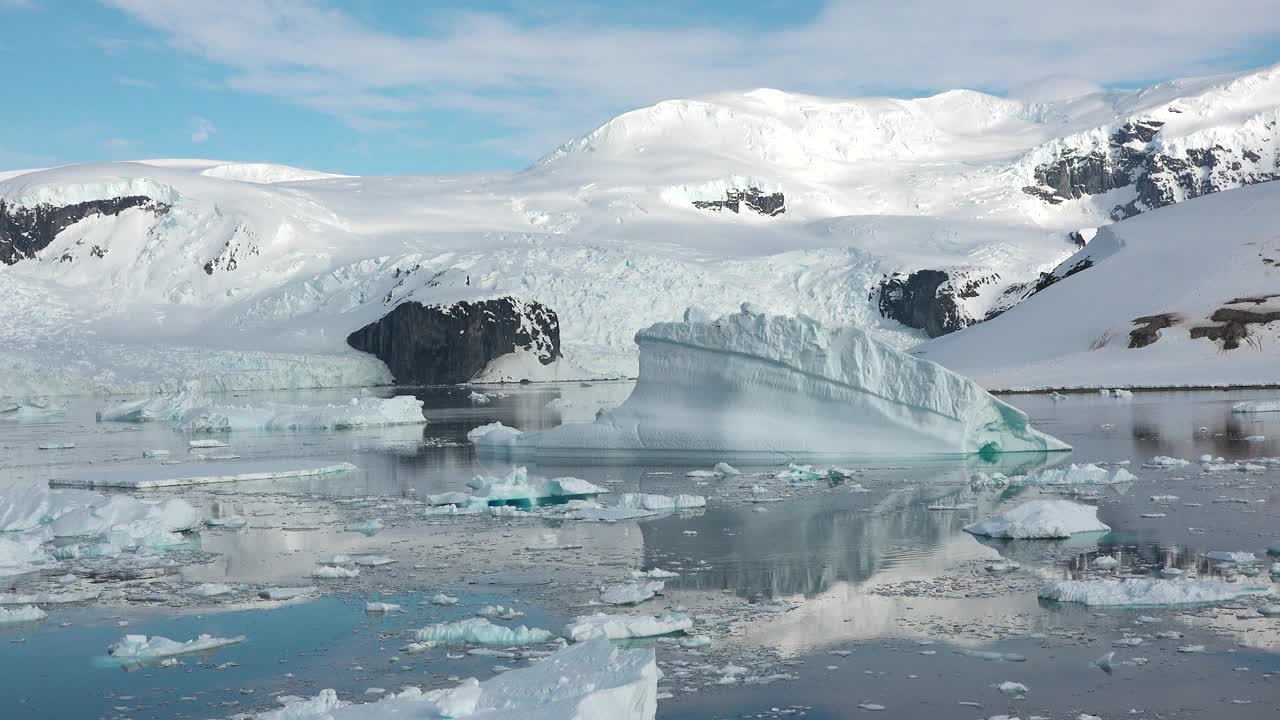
(754, 383)
(1041, 519)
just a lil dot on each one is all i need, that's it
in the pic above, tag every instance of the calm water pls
(863, 568)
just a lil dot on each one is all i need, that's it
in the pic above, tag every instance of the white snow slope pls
(255, 274)
(1189, 260)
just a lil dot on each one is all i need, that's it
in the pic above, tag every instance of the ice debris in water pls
(442, 599)
(141, 647)
(209, 473)
(334, 572)
(50, 598)
(22, 614)
(621, 627)
(1087, 474)
(588, 681)
(381, 608)
(661, 503)
(499, 612)
(371, 560)
(1041, 519)
(22, 555)
(1256, 406)
(1231, 556)
(1164, 461)
(630, 593)
(127, 523)
(750, 382)
(1143, 592)
(517, 488)
(366, 527)
(1011, 688)
(1116, 392)
(654, 573)
(287, 593)
(479, 631)
(206, 444)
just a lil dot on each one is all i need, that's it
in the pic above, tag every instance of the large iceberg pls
(762, 384)
(588, 681)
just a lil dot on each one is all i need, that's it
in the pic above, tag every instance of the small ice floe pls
(287, 593)
(141, 647)
(334, 572)
(701, 474)
(661, 503)
(1256, 406)
(162, 476)
(210, 590)
(991, 655)
(366, 527)
(22, 614)
(381, 608)
(587, 681)
(621, 627)
(519, 489)
(1086, 474)
(1191, 649)
(1255, 438)
(1153, 515)
(56, 446)
(230, 521)
(147, 454)
(1237, 557)
(371, 560)
(444, 600)
(1011, 688)
(1168, 635)
(494, 433)
(499, 612)
(1105, 562)
(1165, 498)
(695, 641)
(1165, 462)
(1127, 642)
(479, 631)
(630, 593)
(206, 444)
(725, 469)
(1041, 519)
(653, 574)
(873, 707)
(1143, 592)
(479, 398)
(1002, 566)
(558, 405)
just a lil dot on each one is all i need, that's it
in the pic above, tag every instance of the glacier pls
(753, 383)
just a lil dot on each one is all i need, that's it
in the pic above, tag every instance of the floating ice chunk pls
(56, 446)
(1041, 519)
(160, 476)
(1002, 566)
(1011, 688)
(479, 631)
(207, 444)
(366, 527)
(630, 593)
(1192, 649)
(1104, 663)
(1116, 392)
(654, 574)
(499, 612)
(28, 505)
(1256, 438)
(287, 593)
(871, 707)
(50, 598)
(381, 607)
(588, 681)
(211, 589)
(479, 398)
(517, 488)
(755, 383)
(147, 454)
(22, 614)
(163, 408)
(695, 641)
(442, 599)
(448, 498)
(701, 474)
(1256, 406)
(230, 521)
(1269, 610)
(724, 468)
(1088, 474)
(21, 555)
(1164, 498)
(141, 647)
(30, 409)
(129, 523)
(992, 656)
(1141, 592)
(334, 572)
(661, 503)
(357, 413)
(1105, 562)
(1164, 461)
(1231, 556)
(607, 514)
(371, 560)
(621, 627)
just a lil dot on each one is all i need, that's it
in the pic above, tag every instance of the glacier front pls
(756, 384)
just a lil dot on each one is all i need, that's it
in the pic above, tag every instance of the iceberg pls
(517, 488)
(630, 593)
(163, 408)
(493, 434)
(127, 522)
(141, 647)
(479, 631)
(588, 681)
(209, 473)
(758, 384)
(23, 614)
(1138, 592)
(1256, 406)
(64, 597)
(287, 593)
(622, 627)
(661, 503)
(1041, 519)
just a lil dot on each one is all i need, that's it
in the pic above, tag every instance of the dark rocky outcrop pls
(1233, 324)
(25, 231)
(755, 199)
(1131, 158)
(1149, 327)
(448, 344)
(930, 300)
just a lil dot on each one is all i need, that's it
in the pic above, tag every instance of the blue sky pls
(397, 87)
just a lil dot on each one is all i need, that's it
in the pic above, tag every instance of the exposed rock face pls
(932, 300)
(25, 231)
(770, 204)
(447, 344)
(1133, 156)
(1149, 327)
(1232, 323)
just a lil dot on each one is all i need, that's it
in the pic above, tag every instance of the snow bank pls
(1041, 519)
(588, 681)
(756, 383)
(622, 627)
(517, 488)
(1146, 592)
(479, 631)
(23, 614)
(160, 476)
(141, 647)
(1256, 406)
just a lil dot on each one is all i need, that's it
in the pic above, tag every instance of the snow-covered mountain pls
(908, 217)
(1182, 296)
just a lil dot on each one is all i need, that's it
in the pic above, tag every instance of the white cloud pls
(557, 78)
(201, 130)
